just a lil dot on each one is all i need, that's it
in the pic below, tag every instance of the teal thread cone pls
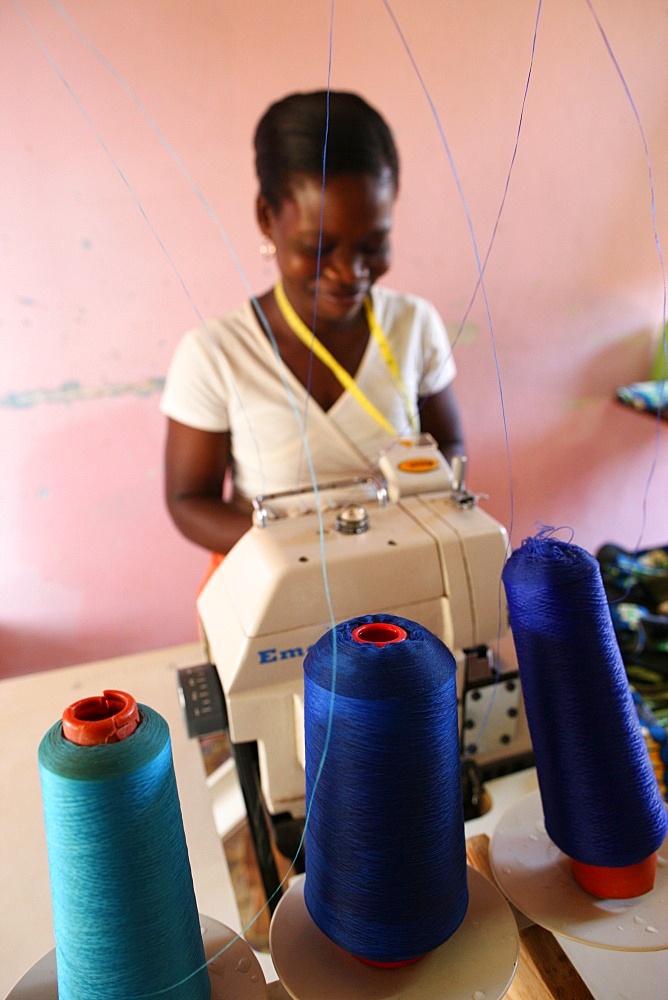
(124, 910)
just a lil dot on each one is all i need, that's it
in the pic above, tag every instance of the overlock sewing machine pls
(411, 541)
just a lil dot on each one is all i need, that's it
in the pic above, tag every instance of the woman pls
(254, 395)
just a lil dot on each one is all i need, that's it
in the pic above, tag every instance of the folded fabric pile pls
(636, 585)
(649, 397)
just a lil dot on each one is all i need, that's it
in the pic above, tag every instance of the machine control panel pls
(202, 700)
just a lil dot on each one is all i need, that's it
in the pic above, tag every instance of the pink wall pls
(108, 255)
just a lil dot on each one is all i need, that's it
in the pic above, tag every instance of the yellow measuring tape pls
(309, 339)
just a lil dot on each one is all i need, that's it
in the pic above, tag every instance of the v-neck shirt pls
(227, 376)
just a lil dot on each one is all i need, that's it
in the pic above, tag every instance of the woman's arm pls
(439, 416)
(195, 466)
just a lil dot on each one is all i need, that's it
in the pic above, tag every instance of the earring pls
(267, 249)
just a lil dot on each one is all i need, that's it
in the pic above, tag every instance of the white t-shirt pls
(226, 376)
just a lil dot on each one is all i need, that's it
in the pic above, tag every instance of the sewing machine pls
(410, 541)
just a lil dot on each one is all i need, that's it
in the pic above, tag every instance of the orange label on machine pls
(419, 465)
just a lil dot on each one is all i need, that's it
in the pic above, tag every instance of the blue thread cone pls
(601, 801)
(385, 850)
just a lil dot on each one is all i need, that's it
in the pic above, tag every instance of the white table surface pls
(30, 705)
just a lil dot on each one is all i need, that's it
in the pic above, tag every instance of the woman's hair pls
(292, 135)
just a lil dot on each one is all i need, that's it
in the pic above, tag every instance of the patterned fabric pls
(650, 397)
(637, 588)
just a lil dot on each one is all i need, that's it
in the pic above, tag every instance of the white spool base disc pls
(536, 877)
(236, 973)
(478, 961)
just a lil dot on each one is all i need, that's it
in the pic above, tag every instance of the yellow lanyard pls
(309, 339)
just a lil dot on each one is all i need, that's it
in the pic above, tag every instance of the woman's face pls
(338, 244)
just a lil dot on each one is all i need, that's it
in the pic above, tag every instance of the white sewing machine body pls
(431, 556)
